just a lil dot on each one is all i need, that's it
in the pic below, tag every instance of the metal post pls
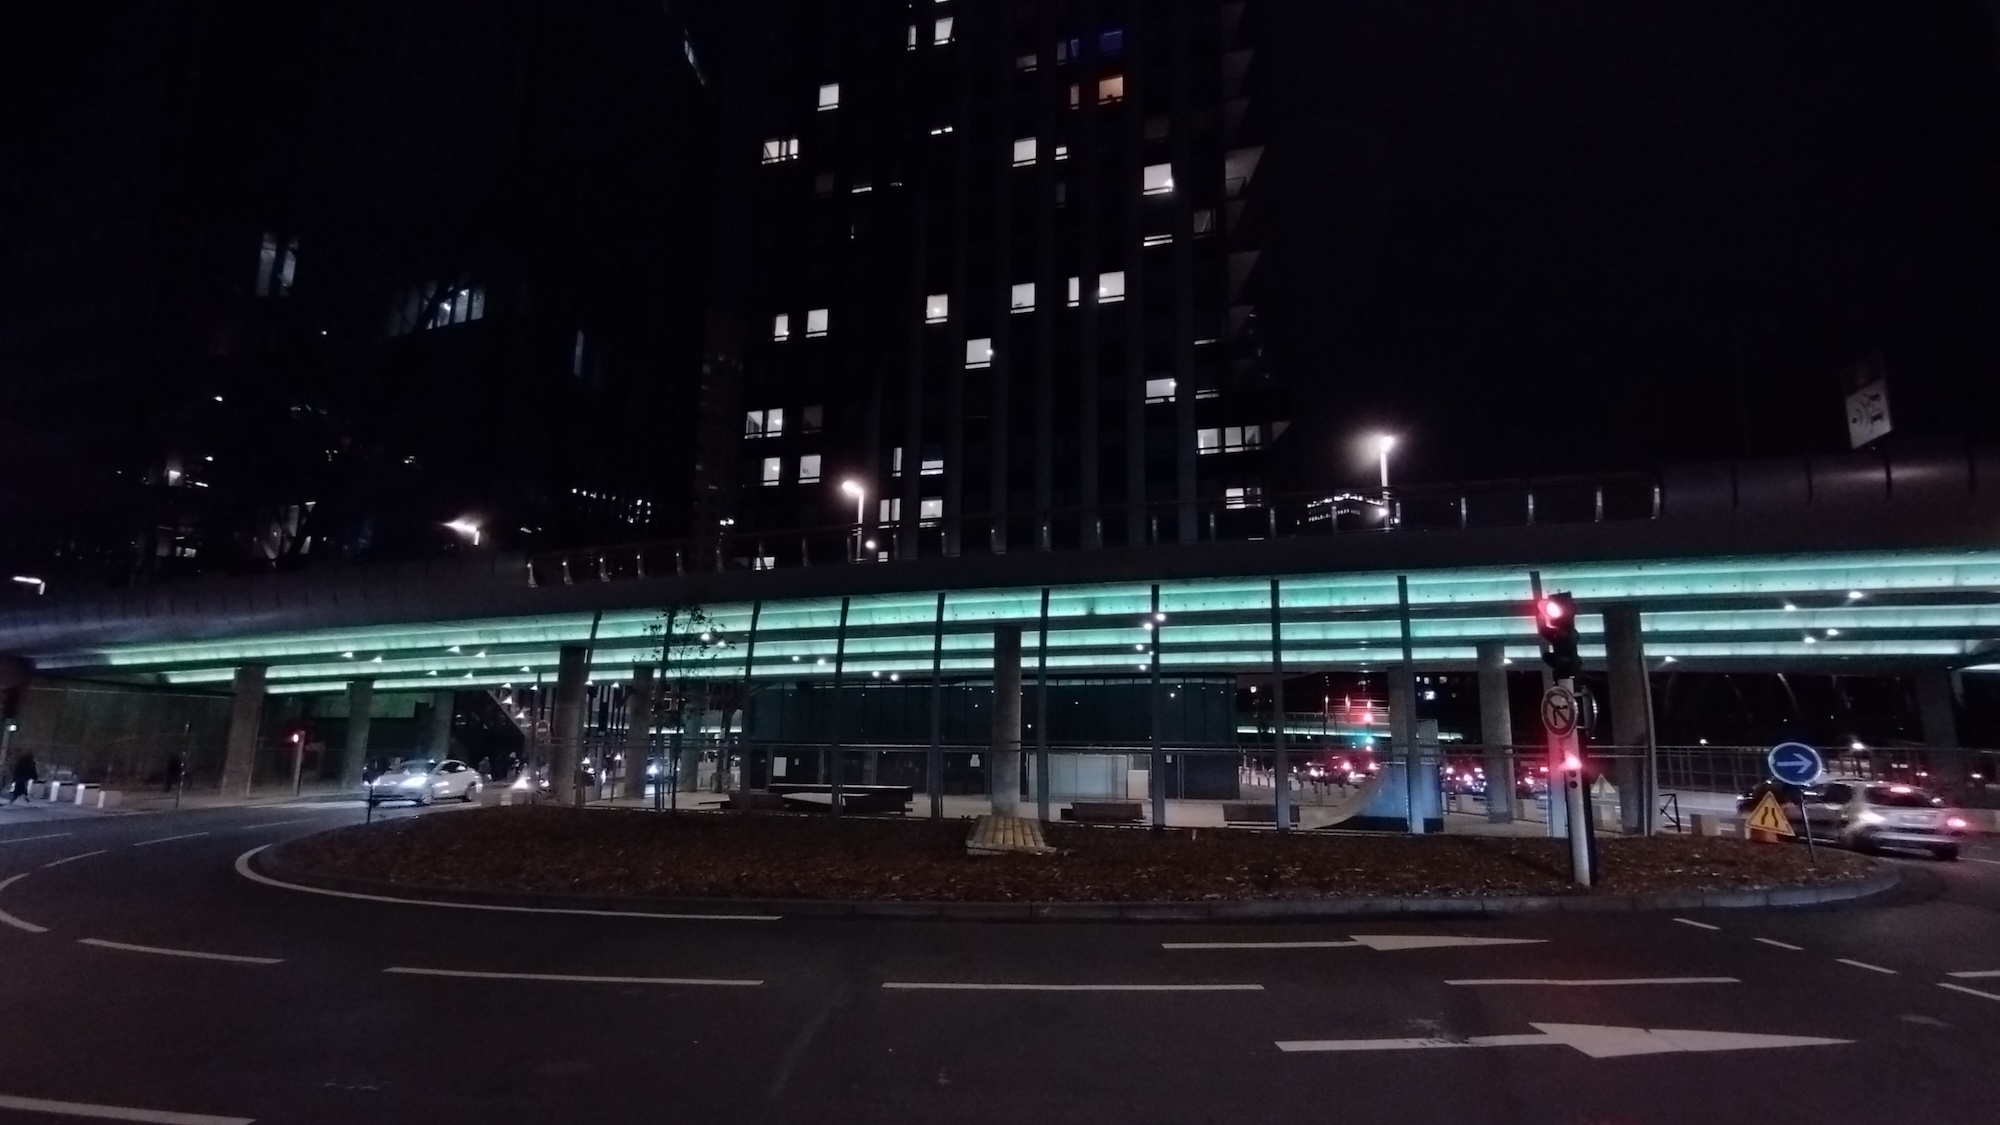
(1405, 718)
(749, 671)
(1156, 771)
(1281, 782)
(1579, 812)
(1558, 809)
(935, 759)
(1042, 714)
(839, 669)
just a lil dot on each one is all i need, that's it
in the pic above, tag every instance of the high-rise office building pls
(984, 278)
(366, 279)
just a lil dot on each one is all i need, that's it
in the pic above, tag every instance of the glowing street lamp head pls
(851, 488)
(467, 528)
(1384, 443)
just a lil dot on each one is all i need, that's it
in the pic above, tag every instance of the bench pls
(1105, 812)
(853, 798)
(1247, 812)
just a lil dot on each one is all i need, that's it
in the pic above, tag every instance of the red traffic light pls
(1552, 610)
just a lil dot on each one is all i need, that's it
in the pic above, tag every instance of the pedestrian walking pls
(24, 776)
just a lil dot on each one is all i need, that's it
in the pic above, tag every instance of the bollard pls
(1701, 824)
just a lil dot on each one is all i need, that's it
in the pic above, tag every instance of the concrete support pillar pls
(1937, 714)
(1496, 731)
(246, 719)
(437, 735)
(566, 731)
(638, 729)
(360, 703)
(1631, 717)
(1006, 720)
(1403, 738)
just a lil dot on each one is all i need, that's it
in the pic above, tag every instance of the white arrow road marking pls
(405, 970)
(194, 953)
(1975, 974)
(9, 919)
(1599, 1042)
(1371, 941)
(1969, 991)
(116, 1112)
(1595, 983)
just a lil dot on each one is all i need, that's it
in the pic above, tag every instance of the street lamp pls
(1383, 444)
(860, 494)
(467, 528)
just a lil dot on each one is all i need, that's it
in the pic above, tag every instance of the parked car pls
(422, 781)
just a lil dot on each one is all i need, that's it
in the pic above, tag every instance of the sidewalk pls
(153, 800)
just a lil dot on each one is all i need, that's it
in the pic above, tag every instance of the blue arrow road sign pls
(1795, 763)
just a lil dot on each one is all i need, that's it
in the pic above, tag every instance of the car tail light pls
(1955, 822)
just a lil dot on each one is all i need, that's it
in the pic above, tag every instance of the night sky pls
(1661, 228)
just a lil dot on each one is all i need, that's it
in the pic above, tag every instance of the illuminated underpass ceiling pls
(1938, 607)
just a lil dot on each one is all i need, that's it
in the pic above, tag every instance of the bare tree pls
(686, 638)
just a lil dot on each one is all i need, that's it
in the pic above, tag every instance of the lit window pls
(1062, 152)
(1159, 390)
(1208, 441)
(1075, 291)
(1069, 49)
(941, 31)
(764, 562)
(1204, 221)
(1075, 95)
(753, 424)
(276, 264)
(1206, 393)
(930, 508)
(812, 419)
(829, 96)
(1022, 299)
(1110, 89)
(1027, 62)
(979, 353)
(940, 130)
(1157, 240)
(889, 510)
(809, 469)
(896, 461)
(932, 464)
(816, 320)
(781, 327)
(1110, 41)
(774, 470)
(1249, 496)
(1024, 152)
(861, 187)
(1110, 287)
(781, 148)
(937, 308)
(1159, 179)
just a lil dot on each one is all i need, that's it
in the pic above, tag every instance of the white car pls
(425, 781)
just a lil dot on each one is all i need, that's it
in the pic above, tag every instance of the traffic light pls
(1555, 620)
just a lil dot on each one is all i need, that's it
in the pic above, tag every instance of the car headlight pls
(1867, 817)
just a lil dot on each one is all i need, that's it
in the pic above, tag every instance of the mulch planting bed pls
(776, 856)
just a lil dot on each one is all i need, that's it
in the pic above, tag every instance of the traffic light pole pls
(1570, 755)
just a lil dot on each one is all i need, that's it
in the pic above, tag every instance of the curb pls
(1300, 909)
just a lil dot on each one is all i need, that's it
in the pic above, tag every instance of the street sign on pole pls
(1795, 763)
(1559, 711)
(1769, 817)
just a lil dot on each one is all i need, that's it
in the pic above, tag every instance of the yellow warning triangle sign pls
(1769, 816)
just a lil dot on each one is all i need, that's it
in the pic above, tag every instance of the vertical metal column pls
(1156, 770)
(935, 759)
(1281, 771)
(1404, 716)
(749, 672)
(839, 668)
(1042, 714)
(1551, 761)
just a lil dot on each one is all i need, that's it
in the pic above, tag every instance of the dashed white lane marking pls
(951, 986)
(1975, 974)
(243, 869)
(31, 839)
(169, 839)
(1696, 925)
(73, 858)
(1865, 965)
(1377, 942)
(274, 823)
(569, 978)
(1969, 991)
(1260, 944)
(1782, 944)
(116, 1112)
(193, 953)
(9, 919)
(1613, 982)
(1988, 862)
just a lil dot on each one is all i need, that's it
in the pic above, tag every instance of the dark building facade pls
(990, 280)
(367, 280)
